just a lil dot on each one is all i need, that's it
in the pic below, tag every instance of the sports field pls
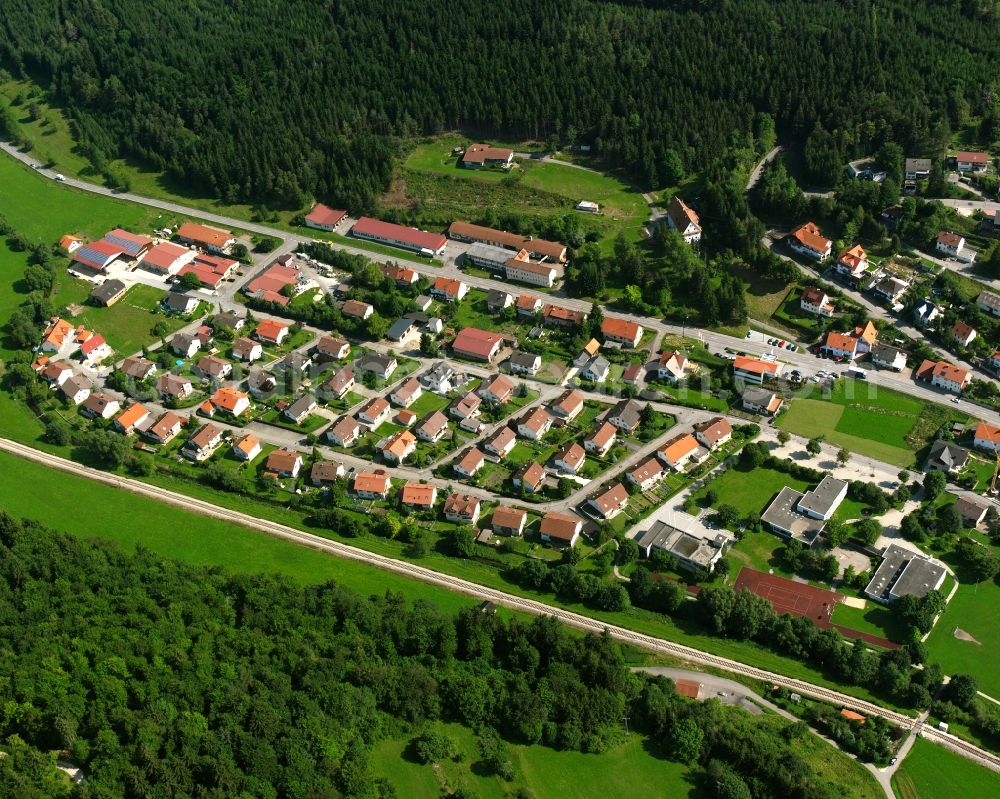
(974, 611)
(932, 772)
(865, 419)
(788, 596)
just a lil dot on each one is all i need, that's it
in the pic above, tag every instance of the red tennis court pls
(788, 596)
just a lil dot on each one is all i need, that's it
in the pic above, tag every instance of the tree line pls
(158, 677)
(211, 95)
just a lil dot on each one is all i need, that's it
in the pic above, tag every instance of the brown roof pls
(356, 308)
(688, 688)
(433, 423)
(471, 460)
(530, 474)
(568, 402)
(325, 470)
(603, 434)
(206, 435)
(949, 239)
(134, 366)
(499, 386)
(408, 389)
(345, 428)
(374, 408)
(962, 331)
(339, 381)
(572, 455)
(509, 518)
(461, 505)
(714, 430)
(419, 494)
(98, 401)
(165, 424)
(561, 526)
(372, 482)
(614, 497)
(282, 460)
(527, 302)
(680, 214)
(948, 371)
(330, 344)
(643, 472)
(501, 439)
(536, 420)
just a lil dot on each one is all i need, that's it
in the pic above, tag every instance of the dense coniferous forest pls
(277, 100)
(162, 679)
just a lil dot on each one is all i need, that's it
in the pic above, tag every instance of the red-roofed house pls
(477, 156)
(971, 161)
(986, 437)
(678, 451)
(481, 345)
(95, 349)
(508, 521)
(470, 463)
(807, 240)
(944, 375)
(166, 258)
(752, 370)
(372, 485)
(271, 332)
(601, 440)
(419, 496)
(98, 255)
(611, 502)
(448, 289)
(462, 509)
(621, 331)
(963, 334)
(322, 217)
(210, 269)
(561, 528)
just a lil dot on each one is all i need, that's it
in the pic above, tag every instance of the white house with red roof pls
(807, 240)
(322, 217)
(753, 370)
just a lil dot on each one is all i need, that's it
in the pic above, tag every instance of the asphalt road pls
(716, 341)
(576, 620)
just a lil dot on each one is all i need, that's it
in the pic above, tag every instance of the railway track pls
(512, 601)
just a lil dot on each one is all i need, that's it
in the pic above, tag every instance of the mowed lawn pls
(86, 508)
(126, 325)
(974, 610)
(750, 491)
(933, 772)
(43, 210)
(860, 417)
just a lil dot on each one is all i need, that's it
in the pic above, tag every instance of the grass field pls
(43, 210)
(932, 772)
(633, 768)
(430, 174)
(974, 610)
(55, 499)
(627, 770)
(750, 491)
(127, 324)
(877, 422)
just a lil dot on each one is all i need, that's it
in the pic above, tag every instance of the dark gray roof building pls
(903, 572)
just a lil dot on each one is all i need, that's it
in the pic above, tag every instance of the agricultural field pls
(932, 772)
(877, 422)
